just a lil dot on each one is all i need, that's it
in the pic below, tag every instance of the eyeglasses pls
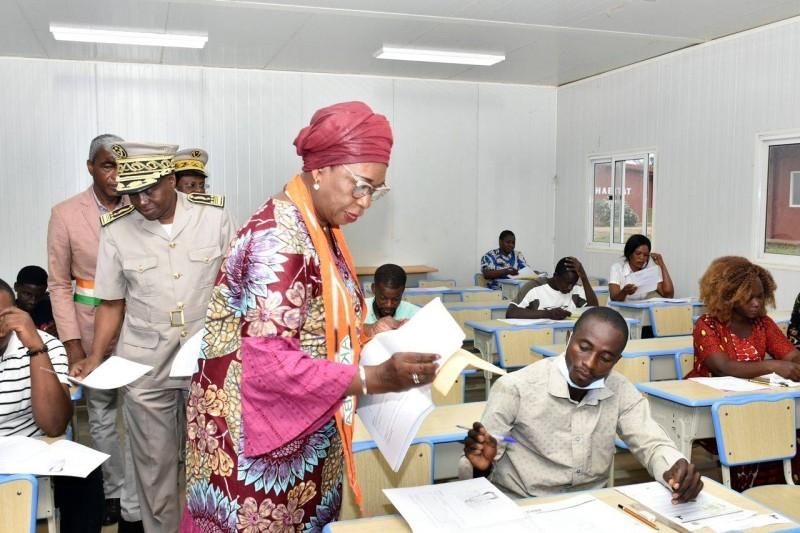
(363, 187)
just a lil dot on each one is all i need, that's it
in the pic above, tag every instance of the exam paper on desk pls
(469, 505)
(27, 455)
(393, 419)
(730, 384)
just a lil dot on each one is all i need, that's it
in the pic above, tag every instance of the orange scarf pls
(340, 316)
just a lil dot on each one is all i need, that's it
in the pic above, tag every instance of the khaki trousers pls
(150, 421)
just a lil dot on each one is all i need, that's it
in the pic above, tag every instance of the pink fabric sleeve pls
(285, 393)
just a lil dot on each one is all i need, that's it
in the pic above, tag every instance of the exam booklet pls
(393, 419)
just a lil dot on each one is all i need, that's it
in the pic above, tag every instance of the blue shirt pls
(404, 311)
(496, 260)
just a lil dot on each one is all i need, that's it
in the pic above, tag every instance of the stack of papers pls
(728, 383)
(393, 419)
(706, 511)
(669, 300)
(26, 455)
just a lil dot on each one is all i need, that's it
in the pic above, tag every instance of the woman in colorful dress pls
(271, 408)
(733, 338)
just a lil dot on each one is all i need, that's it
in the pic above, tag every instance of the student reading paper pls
(563, 414)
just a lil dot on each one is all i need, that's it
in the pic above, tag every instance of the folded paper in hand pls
(393, 419)
(115, 372)
(185, 362)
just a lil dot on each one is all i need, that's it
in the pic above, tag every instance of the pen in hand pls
(499, 438)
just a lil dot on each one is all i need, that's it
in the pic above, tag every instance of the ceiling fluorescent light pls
(438, 56)
(91, 35)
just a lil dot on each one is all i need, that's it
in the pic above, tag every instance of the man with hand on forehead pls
(563, 414)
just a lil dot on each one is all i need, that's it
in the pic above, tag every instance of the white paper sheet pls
(393, 419)
(775, 379)
(658, 499)
(185, 362)
(470, 505)
(580, 514)
(731, 384)
(26, 455)
(456, 363)
(115, 372)
(646, 280)
(526, 273)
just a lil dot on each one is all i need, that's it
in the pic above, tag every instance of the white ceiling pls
(546, 42)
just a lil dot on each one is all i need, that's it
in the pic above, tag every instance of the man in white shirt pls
(559, 297)
(563, 414)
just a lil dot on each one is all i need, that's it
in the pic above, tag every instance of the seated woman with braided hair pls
(733, 338)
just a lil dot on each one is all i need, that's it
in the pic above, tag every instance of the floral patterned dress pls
(269, 286)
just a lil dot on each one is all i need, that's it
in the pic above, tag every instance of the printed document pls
(470, 505)
(115, 372)
(729, 383)
(646, 280)
(393, 419)
(185, 362)
(27, 455)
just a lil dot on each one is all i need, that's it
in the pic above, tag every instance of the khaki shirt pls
(165, 280)
(563, 445)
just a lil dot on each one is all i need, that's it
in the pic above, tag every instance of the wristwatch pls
(43, 349)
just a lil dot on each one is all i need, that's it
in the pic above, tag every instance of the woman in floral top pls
(271, 408)
(733, 338)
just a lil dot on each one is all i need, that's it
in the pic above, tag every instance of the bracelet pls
(43, 349)
(362, 373)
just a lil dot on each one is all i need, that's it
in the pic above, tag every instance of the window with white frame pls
(778, 180)
(621, 200)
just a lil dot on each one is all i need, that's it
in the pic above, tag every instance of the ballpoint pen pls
(499, 438)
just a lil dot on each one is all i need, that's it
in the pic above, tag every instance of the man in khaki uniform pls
(156, 267)
(190, 170)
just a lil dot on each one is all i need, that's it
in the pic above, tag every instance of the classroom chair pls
(374, 475)
(538, 282)
(636, 369)
(449, 283)
(755, 429)
(455, 396)
(483, 296)
(419, 299)
(18, 500)
(671, 320)
(480, 281)
(514, 346)
(684, 362)
(463, 315)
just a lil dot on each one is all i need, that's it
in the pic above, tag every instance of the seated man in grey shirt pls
(563, 414)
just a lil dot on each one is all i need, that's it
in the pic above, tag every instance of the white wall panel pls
(701, 109)
(456, 143)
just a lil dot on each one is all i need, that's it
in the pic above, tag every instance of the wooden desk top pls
(410, 269)
(441, 422)
(693, 394)
(636, 347)
(490, 326)
(395, 523)
(502, 304)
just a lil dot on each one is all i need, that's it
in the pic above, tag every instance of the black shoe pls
(130, 527)
(111, 513)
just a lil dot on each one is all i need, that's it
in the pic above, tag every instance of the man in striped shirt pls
(34, 401)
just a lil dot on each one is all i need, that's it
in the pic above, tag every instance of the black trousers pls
(81, 502)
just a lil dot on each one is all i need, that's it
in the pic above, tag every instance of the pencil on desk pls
(637, 516)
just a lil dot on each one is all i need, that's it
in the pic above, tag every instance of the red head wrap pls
(343, 133)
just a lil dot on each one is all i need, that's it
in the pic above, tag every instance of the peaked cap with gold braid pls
(191, 159)
(141, 165)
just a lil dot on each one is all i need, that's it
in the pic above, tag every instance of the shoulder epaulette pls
(116, 214)
(213, 200)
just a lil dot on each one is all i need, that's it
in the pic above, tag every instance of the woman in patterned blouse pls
(733, 339)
